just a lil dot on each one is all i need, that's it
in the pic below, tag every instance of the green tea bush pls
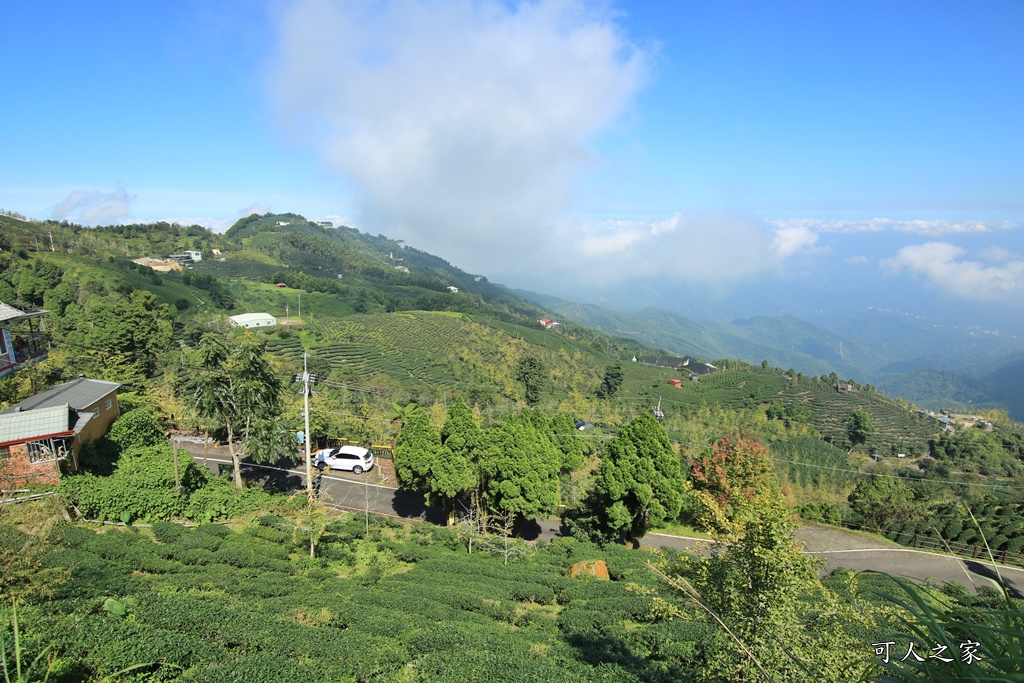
(268, 533)
(194, 556)
(168, 532)
(201, 537)
(214, 530)
(240, 555)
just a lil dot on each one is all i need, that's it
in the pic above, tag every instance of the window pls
(107, 404)
(37, 452)
(5, 452)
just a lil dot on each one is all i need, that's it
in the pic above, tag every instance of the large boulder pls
(596, 568)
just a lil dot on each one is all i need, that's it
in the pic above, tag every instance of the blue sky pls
(563, 146)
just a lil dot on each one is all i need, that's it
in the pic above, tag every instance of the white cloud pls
(932, 228)
(857, 260)
(460, 125)
(714, 249)
(94, 207)
(337, 220)
(215, 224)
(790, 240)
(941, 264)
(999, 254)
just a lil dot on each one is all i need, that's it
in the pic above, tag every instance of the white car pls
(347, 458)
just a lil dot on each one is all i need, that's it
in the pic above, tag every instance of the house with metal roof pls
(22, 339)
(47, 431)
(253, 320)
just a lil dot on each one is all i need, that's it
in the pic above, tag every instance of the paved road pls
(838, 547)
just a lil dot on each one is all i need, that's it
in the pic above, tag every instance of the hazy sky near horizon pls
(553, 144)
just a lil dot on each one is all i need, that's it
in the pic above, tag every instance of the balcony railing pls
(25, 350)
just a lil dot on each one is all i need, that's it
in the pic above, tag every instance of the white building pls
(253, 320)
(194, 255)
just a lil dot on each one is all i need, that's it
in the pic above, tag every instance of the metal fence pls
(968, 550)
(386, 452)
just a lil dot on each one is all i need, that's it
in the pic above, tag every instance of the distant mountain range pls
(931, 364)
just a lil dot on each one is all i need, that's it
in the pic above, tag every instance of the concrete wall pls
(99, 425)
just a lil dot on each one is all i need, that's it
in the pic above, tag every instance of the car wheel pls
(321, 466)
(357, 469)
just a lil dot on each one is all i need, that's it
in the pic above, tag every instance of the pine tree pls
(522, 469)
(415, 452)
(640, 483)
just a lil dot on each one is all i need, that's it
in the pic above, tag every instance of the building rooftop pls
(11, 314)
(78, 393)
(34, 423)
(243, 318)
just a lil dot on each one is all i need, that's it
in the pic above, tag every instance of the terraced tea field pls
(893, 425)
(290, 348)
(433, 348)
(237, 268)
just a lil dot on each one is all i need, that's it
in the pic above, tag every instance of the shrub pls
(136, 429)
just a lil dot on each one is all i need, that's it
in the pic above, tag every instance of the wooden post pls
(915, 540)
(177, 481)
(975, 552)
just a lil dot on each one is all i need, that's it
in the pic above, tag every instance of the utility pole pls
(51, 241)
(306, 380)
(305, 410)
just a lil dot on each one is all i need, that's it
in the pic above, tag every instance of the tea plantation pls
(397, 603)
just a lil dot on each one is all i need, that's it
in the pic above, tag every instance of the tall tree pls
(117, 338)
(611, 382)
(859, 428)
(522, 469)
(736, 472)
(567, 440)
(532, 372)
(439, 464)
(639, 483)
(237, 385)
(415, 452)
(462, 448)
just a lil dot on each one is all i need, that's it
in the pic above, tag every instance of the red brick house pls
(47, 431)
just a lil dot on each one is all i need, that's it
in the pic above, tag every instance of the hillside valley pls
(498, 408)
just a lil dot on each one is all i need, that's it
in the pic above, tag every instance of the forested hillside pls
(475, 405)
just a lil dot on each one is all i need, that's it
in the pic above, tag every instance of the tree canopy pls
(639, 483)
(859, 427)
(532, 372)
(237, 385)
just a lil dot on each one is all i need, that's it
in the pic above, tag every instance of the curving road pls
(838, 547)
